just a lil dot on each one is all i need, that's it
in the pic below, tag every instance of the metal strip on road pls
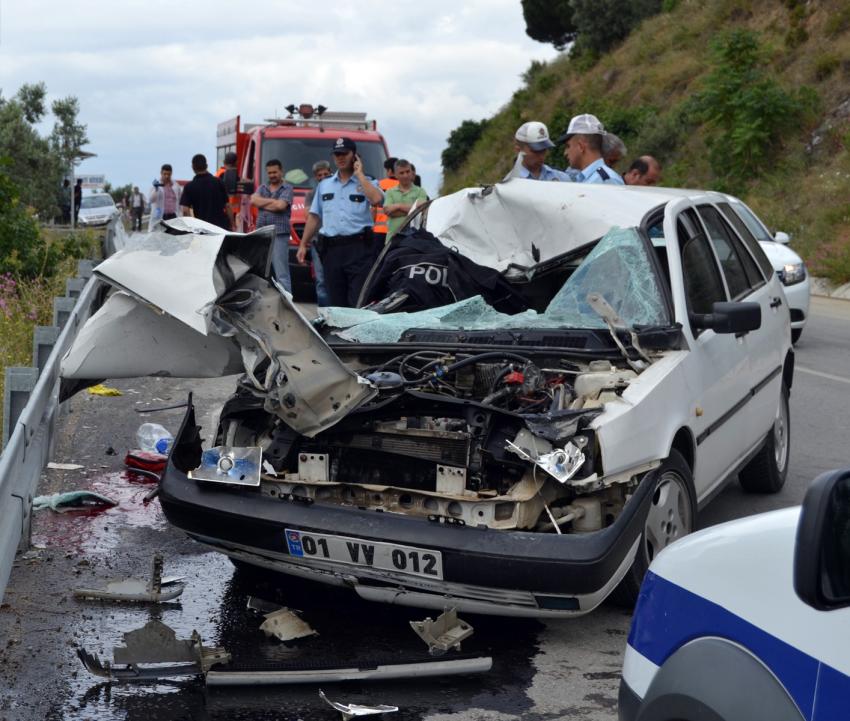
(821, 374)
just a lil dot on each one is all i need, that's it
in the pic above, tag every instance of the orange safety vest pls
(380, 217)
(234, 201)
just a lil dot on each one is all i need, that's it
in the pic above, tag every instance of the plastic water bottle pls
(153, 437)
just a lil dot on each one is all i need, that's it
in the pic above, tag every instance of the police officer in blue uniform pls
(342, 208)
(584, 137)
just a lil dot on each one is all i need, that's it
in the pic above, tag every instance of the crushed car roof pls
(526, 222)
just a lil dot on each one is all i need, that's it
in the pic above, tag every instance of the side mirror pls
(781, 237)
(822, 551)
(737, 318)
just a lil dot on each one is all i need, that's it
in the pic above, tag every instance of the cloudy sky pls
(153, 78)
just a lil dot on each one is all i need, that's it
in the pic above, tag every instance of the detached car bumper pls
(508, 573)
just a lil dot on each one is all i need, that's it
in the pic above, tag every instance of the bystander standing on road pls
(399, 200)
(388, 181)
(137, 208)
(274, 201)
(613, 149)
(66, 198)
(321, 170)
(531, 143)
(229, 175)
(78, 198)
(644, 170)
(584, 151)
(342, 209)
(164, 197)
(204, 196)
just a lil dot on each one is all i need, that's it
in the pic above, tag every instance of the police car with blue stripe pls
(748, 620)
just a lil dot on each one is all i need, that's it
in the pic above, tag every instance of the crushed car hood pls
(194, 302)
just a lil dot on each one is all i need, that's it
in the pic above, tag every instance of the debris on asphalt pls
(73, 501)
(102, 390)
(350, 710)
(155, 643)
(142, 411)
(64, 466)
(138, 459)
(154, 437)
(137, 590)
(312, 671)
(261, 606)
(444, 633)
(285, 625)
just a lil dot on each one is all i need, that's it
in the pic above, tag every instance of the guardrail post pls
(62, 308)
(74, 286)
(85, 268)
(19, 384)
(43, 339)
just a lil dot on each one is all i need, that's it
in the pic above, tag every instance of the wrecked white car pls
(547, 383)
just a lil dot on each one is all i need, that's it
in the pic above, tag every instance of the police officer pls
(584, 151)
(342, 209)
(531, 143)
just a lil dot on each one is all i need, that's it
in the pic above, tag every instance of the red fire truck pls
(304, 136)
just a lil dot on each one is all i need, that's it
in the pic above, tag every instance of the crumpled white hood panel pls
(526, 222)
(198, 305)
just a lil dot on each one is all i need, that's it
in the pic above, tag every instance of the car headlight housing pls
(792, 273)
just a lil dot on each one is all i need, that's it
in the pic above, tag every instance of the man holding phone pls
(342, 208)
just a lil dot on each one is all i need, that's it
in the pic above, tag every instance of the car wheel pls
(767, 471)
(795, 334)
(672, 515)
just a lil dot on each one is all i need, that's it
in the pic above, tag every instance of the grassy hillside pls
(653, 92)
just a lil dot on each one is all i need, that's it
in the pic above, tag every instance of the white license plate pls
(371, 554)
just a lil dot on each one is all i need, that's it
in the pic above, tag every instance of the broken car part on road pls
(154, 590)
(353, 710)
(456, 455)
(444, 633)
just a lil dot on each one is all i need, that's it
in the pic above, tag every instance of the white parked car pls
(788, 265)
(748, 620)
(96, 209)
(558, 377)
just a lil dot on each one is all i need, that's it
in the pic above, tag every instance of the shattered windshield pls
(618, 268)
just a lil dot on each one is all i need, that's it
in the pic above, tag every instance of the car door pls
(716, 370)
(746, 282)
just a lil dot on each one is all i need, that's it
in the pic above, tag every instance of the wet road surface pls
(542, 670)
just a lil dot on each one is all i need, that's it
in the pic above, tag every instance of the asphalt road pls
(565, 669)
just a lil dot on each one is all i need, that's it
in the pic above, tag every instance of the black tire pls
(767, 471)
(661, 529)
(795, 334)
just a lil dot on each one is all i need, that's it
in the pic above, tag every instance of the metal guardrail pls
(31, 407)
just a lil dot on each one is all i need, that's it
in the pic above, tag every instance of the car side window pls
(703, 284)
(746, 235)
(739, 268)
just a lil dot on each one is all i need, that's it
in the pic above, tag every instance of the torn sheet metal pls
(352, 710)
(560, 463)
(183, 271)
(447, 631)
(286, 625)
(154, 590)
(73, 501)
(230, 464)
(525, 222)
(286, 360)
(119, 341)
(431, 668)
(155, 643)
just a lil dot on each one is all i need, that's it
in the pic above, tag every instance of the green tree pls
(745, 109)
(18, 229)
(601, 24)
(33, 167)
(460, 143)
(69, 135)
(549, 21)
